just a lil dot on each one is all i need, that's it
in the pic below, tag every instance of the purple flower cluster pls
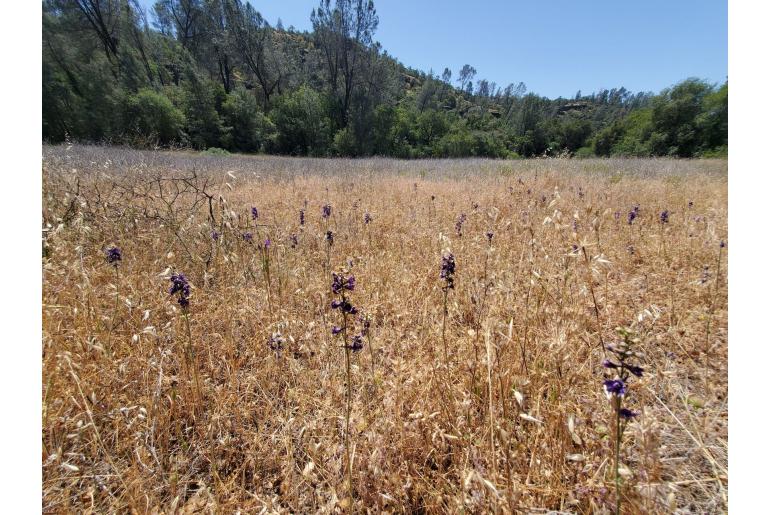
(627, 414)
(294, 241)
(215, 235)
(340, 283)
(633, 214)
(248, 237)
(302, 217)
(448, 270)
(254, 213)
(664, 217)
(367, 218)
(617, 387)
(459, 224)
(357, 343)
(326, 211)
(490, 234)
(340, 286)
(113, 255)
(180, 286)
(330, 238)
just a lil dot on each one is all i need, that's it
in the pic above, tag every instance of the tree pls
(465, 78)
(301, 123)
(344, 33)
(152, 115)
(182, 19)
(253, 39)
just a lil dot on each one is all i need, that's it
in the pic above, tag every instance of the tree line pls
(215, 74)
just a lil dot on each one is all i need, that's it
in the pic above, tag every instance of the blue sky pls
(556, 47)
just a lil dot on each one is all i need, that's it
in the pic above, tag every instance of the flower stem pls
(617, 456)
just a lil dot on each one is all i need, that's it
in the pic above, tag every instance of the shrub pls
(151, 115)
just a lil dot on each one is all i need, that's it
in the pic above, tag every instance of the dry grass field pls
(244, 401)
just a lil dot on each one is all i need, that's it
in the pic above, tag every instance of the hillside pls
(214, 73)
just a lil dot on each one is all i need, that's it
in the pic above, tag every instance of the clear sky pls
(556, 47)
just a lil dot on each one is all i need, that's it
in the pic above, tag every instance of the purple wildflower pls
(337, 285)
(634, 369)
(627, 413)
(215, 235)
(356, 343)
(490, 235)
(113, 255)
(609, 364)
(614, 387)
(254, 213)
(294, 241)
(721, 244)
(366, 322)
(459, 224)
(336, 330)
(326, 211)
(664, 217)
(267, 243)
(248, 237)
(367, 218)
(330, 237)
(448, 270)
(179, 285)
(302, 217)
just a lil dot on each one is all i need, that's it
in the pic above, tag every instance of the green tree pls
(302, 125)
(151, 114)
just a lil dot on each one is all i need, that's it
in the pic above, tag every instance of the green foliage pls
(151, 114)
(202, 101)
(215, 151)
(302, 124)
(214, 74)
(584, 152)
(247, 128)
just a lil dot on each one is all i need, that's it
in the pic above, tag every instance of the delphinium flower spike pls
(616, 390)
(114, 256)
(180, 287)
(342, 285)
(459, 224)
(448, 276)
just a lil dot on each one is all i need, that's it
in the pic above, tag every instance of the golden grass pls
(514, 421)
